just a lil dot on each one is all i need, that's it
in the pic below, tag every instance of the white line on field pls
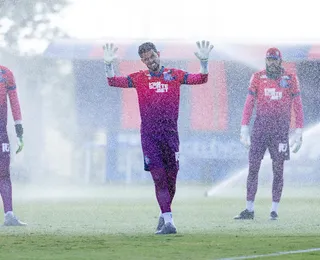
(273, 254)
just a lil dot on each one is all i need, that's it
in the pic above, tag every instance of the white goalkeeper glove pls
(245, 136)
(202, 54)
(203, 50)
(109, 53)
(296, 140)
(20, 144)
(109, 56)
(19, 132)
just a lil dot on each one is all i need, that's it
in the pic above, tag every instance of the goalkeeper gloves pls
(19, 132)
(296, 140)
(202, 54)
(109, 56)
(245, 136)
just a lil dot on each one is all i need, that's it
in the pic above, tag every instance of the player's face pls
(151, 60)
(273, 65)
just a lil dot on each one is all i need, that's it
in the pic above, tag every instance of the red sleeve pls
(254, 81)
(295, 90)
(297, 102)
(121, 82)
(124, 82)
(250, 101)
(191, 79)
(13, 97)
(196, 79)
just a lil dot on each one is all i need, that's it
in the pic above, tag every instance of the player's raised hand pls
(245, 136)
(204, 49)
(109, 53)
(296, 140)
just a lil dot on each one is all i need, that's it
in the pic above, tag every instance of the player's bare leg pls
(277, 186)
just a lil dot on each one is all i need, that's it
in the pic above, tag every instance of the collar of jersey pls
(153, 74)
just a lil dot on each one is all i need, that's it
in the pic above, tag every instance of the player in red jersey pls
(8, 89)
(275, 91)
(158, 90)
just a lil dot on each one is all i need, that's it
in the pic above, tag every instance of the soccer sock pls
(252, 179)
(161, 188)
(274, 206)
(250, 205)
(6, 192)
(168, 217)
(277, 184)
(172, 179)
(8, 213)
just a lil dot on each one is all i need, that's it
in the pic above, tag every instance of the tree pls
(29, 19)
(45, 85)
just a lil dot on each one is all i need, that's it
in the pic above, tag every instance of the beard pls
(274, 68)
(274, 71)
(154, 66)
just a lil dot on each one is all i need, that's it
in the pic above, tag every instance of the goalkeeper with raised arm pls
(274, 91)
(158, 90)
(8, 89)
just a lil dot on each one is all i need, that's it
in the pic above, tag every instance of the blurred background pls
(79, 131)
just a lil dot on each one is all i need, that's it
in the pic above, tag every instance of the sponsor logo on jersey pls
(158, 87)
(272, 93)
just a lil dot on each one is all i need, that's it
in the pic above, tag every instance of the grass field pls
(118, 222)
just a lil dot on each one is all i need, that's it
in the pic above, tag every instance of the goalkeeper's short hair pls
(145, 47)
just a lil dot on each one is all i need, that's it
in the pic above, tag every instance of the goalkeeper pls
(8, 89)
(158, 90)
(275, 91)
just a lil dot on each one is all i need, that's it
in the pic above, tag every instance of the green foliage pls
(30, 19)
